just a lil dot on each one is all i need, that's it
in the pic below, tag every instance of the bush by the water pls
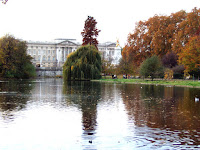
(83, 64)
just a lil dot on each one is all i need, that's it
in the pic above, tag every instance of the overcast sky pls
(46, 20)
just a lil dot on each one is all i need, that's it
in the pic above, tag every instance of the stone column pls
(64, 54)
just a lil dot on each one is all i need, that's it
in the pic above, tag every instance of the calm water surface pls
(46, 114)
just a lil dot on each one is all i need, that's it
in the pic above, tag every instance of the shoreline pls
(177, 83)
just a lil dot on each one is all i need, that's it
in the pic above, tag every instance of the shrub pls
(168, 74)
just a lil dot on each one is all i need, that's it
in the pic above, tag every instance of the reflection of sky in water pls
(44, 114)
(42, 128)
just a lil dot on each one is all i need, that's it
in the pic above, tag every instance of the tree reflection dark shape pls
(88, 95)
(166, 108)
(14, 96)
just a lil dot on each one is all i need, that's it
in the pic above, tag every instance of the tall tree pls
(14, 61)
(188, 27)
(190, 55)
(90, 32)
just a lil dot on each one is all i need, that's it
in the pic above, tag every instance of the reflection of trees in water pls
(85, 95)
(132, 99)
(14, 96)
(110, 93)
(163, 107)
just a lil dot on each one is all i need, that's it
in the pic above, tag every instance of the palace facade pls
(54, 54)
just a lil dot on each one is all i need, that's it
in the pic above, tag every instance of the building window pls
(49, 58)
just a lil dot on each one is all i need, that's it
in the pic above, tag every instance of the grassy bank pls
(187, 83)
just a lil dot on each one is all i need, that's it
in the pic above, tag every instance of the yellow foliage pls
(70, 54)
(168, 74)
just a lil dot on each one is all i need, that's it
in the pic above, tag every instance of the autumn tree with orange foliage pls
(125, 66)
(188, 28)
(161, 35)
(190, 55)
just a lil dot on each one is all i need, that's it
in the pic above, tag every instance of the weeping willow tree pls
(83, 64)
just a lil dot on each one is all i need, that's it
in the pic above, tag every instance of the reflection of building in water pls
(51, 93)
(54, 54)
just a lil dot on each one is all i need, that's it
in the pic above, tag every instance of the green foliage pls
(83, 64)
(14, 61)
(125, 67)
(152, 67)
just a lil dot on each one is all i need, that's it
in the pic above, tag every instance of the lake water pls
(46, 114)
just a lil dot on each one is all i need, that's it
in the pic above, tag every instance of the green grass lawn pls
(189, 83)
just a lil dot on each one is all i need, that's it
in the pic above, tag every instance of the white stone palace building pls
(54, 54)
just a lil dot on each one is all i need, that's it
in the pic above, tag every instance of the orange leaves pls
(160, 35)
(190, 55)
(189, 27)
